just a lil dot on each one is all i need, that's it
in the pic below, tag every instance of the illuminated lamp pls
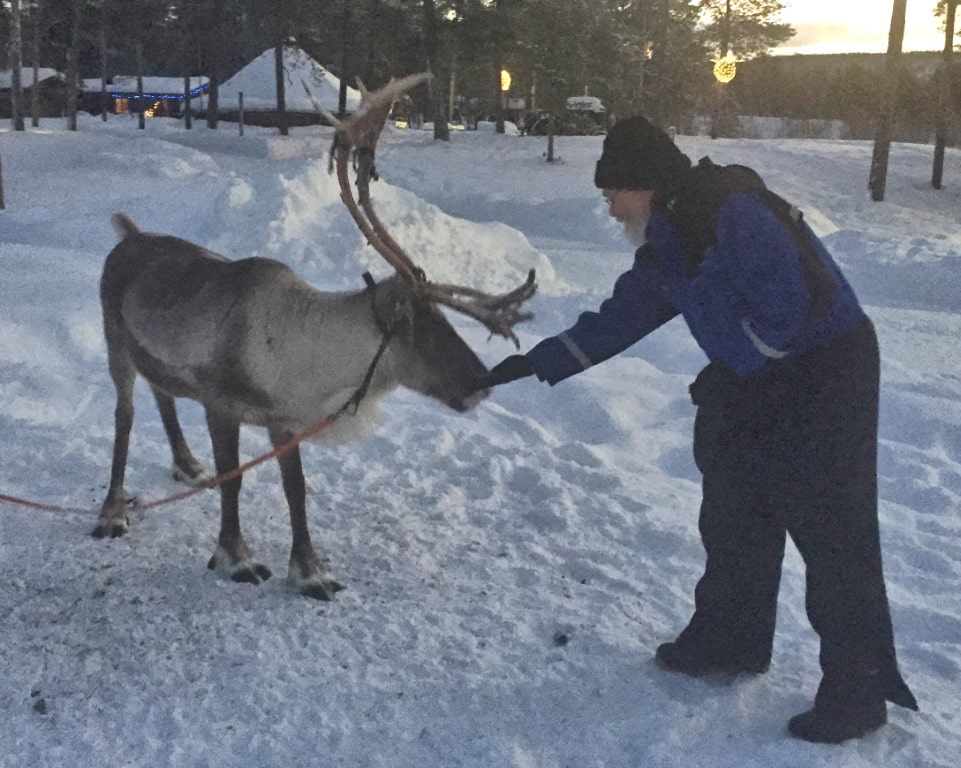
(725, 69)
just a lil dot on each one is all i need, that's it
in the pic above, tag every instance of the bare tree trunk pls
(500, 96)
(452, 80)
(186, 19)
(214, 44)
(373, 16)
(188, 115)
(434, 88)
(104, 102)
(882, 141)
(345, 37)
(1, 184)
(657, 69)
(16, 68)
(73, 66)
(281, 92)
(550, 138)
(141, 116)
(213, 101)
(718, 94)
(35, 100)
(944, 96)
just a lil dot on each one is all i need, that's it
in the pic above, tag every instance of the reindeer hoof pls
(110, 529)
(243, 571)
(113, 521)
(318, 592)
(257, 574)
(308, 575)
(194, 475)
(315, 584)
(324, 590)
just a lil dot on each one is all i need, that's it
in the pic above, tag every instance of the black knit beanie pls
(638, 155)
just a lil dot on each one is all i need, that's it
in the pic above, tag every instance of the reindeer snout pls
(473, 399)
(475, 392)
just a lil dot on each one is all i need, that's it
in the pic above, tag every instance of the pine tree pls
(949, 9)
(16, 67)
(882, 142)
(744, 28)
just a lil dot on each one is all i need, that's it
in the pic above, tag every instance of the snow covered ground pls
(509, 571)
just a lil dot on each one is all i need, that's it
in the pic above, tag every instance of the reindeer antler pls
(499, 313)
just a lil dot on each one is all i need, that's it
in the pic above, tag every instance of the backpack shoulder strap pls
(694, 209)
(818, 281)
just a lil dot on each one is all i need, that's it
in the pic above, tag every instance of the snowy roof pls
(26, 76)
(585, 104)
(152, 86)
(257, 82)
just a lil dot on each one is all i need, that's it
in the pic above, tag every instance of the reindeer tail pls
(123, 225)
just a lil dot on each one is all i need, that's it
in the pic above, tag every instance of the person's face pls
(629, 206)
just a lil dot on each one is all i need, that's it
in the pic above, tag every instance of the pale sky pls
(857, 26)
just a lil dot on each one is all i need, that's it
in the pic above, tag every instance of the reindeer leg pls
(306, 571)
(232, 557)
(186, 468)
(113, 520)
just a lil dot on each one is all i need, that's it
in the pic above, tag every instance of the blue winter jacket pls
(746, 305)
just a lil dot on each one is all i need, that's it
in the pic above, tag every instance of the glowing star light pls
(725, 69)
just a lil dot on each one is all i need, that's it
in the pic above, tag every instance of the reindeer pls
(255, 344)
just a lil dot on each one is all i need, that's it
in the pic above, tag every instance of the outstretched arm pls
(637, 306)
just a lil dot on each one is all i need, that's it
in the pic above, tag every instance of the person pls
(786, 423)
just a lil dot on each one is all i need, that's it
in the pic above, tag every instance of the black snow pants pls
(793, 449)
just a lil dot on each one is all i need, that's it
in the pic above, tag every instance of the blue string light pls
(156, 96)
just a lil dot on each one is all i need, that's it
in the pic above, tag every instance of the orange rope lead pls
(237, 471)
(38, 505)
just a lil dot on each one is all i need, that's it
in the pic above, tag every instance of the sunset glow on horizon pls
(857, 26)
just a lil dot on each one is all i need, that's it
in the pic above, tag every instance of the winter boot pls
(699, 659)
(842, 710)
(832, 725)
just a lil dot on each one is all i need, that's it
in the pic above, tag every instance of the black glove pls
(510, 369)
(714, 385)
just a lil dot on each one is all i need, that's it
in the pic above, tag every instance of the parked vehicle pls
(581, 116)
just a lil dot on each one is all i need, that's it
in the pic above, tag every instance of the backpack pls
(694, 208)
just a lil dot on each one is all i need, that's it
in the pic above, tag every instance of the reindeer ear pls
(401, 314)
(394, 308)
